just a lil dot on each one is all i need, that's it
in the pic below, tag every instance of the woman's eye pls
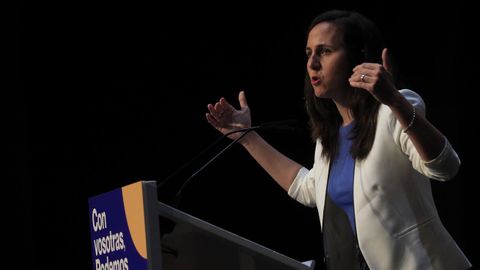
(319, 52)
(323, 51)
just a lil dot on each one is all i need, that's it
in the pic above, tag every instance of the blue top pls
(340, 179)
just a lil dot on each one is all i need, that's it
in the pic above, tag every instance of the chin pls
(320, 92)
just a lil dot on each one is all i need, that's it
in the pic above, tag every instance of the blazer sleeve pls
(443, 167)
(303, 187)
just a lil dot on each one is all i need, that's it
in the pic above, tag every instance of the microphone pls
(283, 126)
(245, 131)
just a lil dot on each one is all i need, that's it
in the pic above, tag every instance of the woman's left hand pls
(376, 79)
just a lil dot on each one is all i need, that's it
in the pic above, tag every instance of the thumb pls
(387, 64)
(242, 99)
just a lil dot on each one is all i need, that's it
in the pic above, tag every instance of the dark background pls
(116, 93)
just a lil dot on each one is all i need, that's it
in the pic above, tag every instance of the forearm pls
(281, 168)
(428, 140)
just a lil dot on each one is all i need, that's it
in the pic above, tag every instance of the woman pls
(375, 152)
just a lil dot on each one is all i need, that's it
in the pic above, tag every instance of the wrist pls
(397, 102)
(412, 121)
(248, 139)
(404, 111)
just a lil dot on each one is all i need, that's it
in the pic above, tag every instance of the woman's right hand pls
(225, 118)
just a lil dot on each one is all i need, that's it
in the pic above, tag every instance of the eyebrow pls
(322, 45)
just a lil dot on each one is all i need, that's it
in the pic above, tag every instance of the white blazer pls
(397, 224)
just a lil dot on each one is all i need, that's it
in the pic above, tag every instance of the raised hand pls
(225, 118)
(376, 79)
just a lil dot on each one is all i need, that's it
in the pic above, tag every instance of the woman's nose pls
(314, 63)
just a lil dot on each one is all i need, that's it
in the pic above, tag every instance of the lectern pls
(130, 229)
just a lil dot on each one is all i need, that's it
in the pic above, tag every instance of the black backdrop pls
(117, 93)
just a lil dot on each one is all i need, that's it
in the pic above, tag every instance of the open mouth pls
(315, 80)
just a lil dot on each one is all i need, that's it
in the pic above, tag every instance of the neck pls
(344, 111)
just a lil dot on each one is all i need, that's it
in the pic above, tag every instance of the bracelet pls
(411, 121)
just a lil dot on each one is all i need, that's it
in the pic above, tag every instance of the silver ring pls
(362, 77)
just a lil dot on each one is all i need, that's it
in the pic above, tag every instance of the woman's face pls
(327, 63)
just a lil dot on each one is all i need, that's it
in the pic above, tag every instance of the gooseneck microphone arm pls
(245, 131)
(169, 178)
(276, 126)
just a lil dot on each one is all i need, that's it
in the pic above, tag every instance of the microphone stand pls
(283, 125)
(245, 131)
(176, 172)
